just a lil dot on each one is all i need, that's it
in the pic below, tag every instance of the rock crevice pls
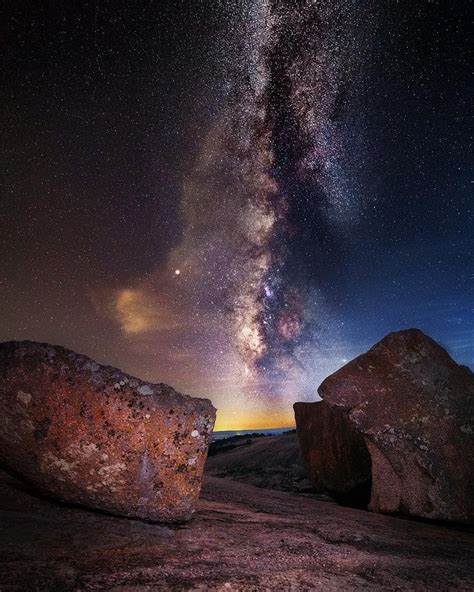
(410, 402)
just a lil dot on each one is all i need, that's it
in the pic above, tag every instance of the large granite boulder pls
(92, 435)
(334, 453)
(414, 407)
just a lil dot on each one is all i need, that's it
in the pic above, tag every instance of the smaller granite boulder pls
(414, 406)
(91, 434)
(335, 454)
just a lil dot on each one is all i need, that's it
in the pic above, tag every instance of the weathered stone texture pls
(414, 407)
(335, 454)
(91, 434)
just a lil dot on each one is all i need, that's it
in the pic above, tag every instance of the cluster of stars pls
(236, 198)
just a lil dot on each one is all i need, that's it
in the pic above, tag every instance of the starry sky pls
(235, 197)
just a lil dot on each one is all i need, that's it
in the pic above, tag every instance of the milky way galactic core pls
(236, 198)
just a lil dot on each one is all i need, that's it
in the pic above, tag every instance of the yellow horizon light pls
(261, 420)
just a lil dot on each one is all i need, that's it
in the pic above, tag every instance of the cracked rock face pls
(414, 407)
(90, 434)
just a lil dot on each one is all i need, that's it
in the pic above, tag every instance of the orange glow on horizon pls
(261, 419)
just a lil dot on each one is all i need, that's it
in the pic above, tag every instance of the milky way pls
(274, 171)
(235, 197)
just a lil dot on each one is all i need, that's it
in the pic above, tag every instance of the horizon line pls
(248, 429)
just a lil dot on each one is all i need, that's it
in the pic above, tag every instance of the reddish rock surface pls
(241, 539)
(92, 435)
(335, 454)
(415, 408)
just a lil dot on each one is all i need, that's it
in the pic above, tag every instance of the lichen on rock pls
(410, 400)
(90, 434)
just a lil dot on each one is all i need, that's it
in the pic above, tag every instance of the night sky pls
(235, 197)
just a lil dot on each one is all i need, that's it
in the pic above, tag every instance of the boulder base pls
(91, 434)
(414, 406)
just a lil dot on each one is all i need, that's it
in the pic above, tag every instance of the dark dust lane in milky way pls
(235, 198)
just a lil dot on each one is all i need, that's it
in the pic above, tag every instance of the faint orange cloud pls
(133, 311)
(139, 311)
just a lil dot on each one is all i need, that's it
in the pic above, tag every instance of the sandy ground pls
(241, 538)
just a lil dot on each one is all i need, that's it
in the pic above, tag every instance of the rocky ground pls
(241, 538)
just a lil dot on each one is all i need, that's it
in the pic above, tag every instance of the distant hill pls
(269, 462)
